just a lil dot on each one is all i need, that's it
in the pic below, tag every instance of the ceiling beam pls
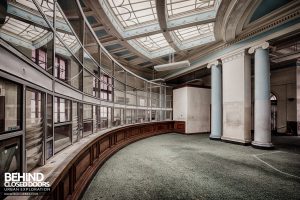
(162, 20)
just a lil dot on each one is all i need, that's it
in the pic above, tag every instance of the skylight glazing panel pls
(23, 30)
(46, 5)
(175, 7)
(153, 42)
(134, 12)
(194, 31)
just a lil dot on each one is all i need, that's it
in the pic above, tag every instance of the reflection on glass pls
(62, 137)
(65, 32)
(72, 12)
(89, 81)
(98, 118)
(49, 149)
(34, 128)
(130, 95)
(75, 123)
(141, 116)
(105, 87)
(168, 115)
(120, 73)
(87, 119)
(118, 117)
(130, 116)
(32, 37)
(49, 116)
(10, 154)
(67, 69)
(62, 110)
(106, 63)
(119, 97)
(91, 44)
(141, 98)
(10, 106)
(105, 117)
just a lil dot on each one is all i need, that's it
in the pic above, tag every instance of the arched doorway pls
(273, 100)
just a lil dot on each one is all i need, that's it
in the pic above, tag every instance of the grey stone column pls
(262, 105)
(216, 100)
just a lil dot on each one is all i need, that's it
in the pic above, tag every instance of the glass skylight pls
(194, 31)
(175, 7)
(153, 42)
(69, 40)
(23, 30)
(47, 6)
(134, 12)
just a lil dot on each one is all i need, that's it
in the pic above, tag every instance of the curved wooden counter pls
(70, 171)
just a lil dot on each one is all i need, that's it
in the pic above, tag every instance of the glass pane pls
(131, 80)
(62, 110)
(131, 13)
(153, 42)
(49, 116)
(98, 118)
(87, 111)
(87, 128)
(67, 68)
(10, 156)
(90, 64)
(90, 85)
(119, 73)
(62, 137)
(10, 106)
(75, 123)
(106, 63)
(118, 117)
(119, 97)
(30, 35)
(49, 149)
(168, 115)
(73, 15)
(34, 128)
(128, 116)
(175, 7)
(87, 119)
(141, 116)
(65, 32)
(105, 87)
(130, 96)
(91, 44)
(142, 98)
(104, 117)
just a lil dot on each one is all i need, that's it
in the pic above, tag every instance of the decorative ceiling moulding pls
(214, 63)
(228, 48)
(272, 20)
(231, 18)
(233, 56)
(264, 45)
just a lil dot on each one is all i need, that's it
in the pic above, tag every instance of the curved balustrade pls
(52, 59)
(70, 172)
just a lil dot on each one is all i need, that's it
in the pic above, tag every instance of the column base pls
(236, 141)
(259, 145)
(212, 137)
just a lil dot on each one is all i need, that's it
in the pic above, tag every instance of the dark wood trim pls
(77, 174)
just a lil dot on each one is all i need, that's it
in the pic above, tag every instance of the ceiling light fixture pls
(172, 65)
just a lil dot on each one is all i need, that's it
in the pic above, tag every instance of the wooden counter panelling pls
(77, 174)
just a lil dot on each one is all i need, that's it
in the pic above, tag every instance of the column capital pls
(216, 62)
(263, 45)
